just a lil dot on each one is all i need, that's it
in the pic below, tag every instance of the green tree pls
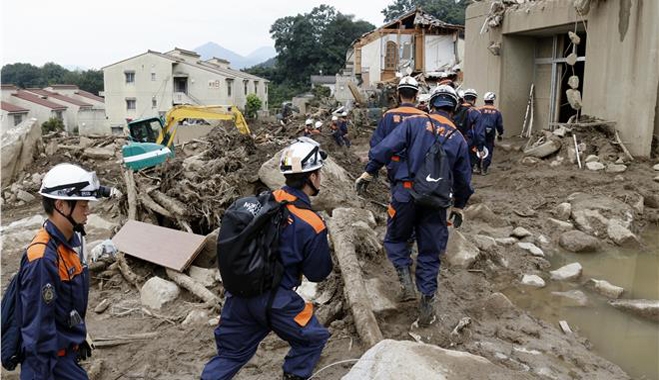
(446, 10)
(253, 105)
(22, 75)
(52, 124)
(25, 75)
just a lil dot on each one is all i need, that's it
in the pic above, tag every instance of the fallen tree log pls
(170, 203)
(126, 272)
(341, 233)
(131, 193)
(152, 205)
(194, 287)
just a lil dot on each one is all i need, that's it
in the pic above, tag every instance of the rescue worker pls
(408, 88)
(341, 133)
(304, 250)
(447, 78)
(493, 127)
(468, 120)
(406, 219)
(308, 127)
(54, 278)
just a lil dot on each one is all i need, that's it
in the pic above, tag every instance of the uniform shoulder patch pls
(48, 293)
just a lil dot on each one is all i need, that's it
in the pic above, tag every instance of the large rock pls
(99, 225)
(595, 166)
(460, 252)
(485, 243)
(156, 292)
(336, 189)
(648, 309)
(615, 168)
(18, 148)
(521, 233)
(559, 224)
(204, 276)
(533, 280)
(591, 213)
(544, 150)
(605, 288)
(481, 212)
(532, 248)
(567, 272)
(563, 211)
(405, 360)
(377, 294)
(621, 235)
(577, 241)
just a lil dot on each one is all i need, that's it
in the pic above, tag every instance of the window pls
(131, 104)
(58, 115)
(154, 103)
(265, 87)
(18, 119)
(256, 87)
(130, 76)
(153, 77)
(246, 83)
(229, 87)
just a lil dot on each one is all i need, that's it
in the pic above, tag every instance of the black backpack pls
(461, 118)
(12, 340)
(248, 245)
(433, 182)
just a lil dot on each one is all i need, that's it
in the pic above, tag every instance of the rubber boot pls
(427, 310)
(290, 376)
(484, 171)
(407, 292)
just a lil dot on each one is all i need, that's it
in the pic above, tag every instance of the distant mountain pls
(237, 61)
(268, 64)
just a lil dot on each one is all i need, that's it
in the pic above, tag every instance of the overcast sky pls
(92, 34)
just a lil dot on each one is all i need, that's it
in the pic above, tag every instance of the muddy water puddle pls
(628, 341)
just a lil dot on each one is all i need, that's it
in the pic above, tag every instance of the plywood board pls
(166, 247)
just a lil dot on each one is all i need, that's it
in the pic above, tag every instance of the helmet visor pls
(87, 187)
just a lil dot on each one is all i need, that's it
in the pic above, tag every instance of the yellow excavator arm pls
(178, 113)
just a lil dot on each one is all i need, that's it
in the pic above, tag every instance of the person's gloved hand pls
(115, 193)
(85, 349)
(456, 217)
(362, 182)
(499, 137)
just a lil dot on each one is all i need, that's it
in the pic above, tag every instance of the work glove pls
(362, 182)
(456, 217)
(499, 137)
(85, 349)
(115, 193)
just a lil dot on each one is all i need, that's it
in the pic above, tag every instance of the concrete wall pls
(39, 112)
(622, 68)
(439, 52)
(91, 121)
(371, 61)
(622, 55)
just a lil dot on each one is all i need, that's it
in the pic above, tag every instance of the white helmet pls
(461, 93)
(308, 122)
(303, 156)
(470, 93)
(335, 118)
(318, 124)
(344, 114)
(489, 96)
(408, 82)
(444, 96)
(70, 182)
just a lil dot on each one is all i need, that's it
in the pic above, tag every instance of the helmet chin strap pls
(77, 227)
(313, 187)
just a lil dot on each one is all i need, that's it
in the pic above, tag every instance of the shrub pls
(52, 125)
(253, 104)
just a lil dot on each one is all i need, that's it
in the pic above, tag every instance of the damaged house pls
(597, 58)
(415, 40)
(151, 83)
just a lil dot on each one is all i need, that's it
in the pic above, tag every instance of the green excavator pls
(151, 140)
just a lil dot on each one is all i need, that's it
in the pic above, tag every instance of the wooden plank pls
(565, 327)
(166, 247)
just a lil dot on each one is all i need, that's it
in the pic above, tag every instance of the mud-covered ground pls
(519, 195)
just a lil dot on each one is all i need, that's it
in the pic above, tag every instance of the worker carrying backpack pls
(433, 182)
(248, 245)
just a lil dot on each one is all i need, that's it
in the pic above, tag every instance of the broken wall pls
(622, 78)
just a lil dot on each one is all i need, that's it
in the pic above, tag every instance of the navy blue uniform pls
(53, 282)
(244, 324)
(389, 121)
(340, 133)
(416, 135)
(472, 130)
(492, 123)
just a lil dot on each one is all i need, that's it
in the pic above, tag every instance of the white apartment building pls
(151, 83)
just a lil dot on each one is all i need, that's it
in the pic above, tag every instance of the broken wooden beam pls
(354, 287)
(193, 287)
(170, 203)
(152, 205)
